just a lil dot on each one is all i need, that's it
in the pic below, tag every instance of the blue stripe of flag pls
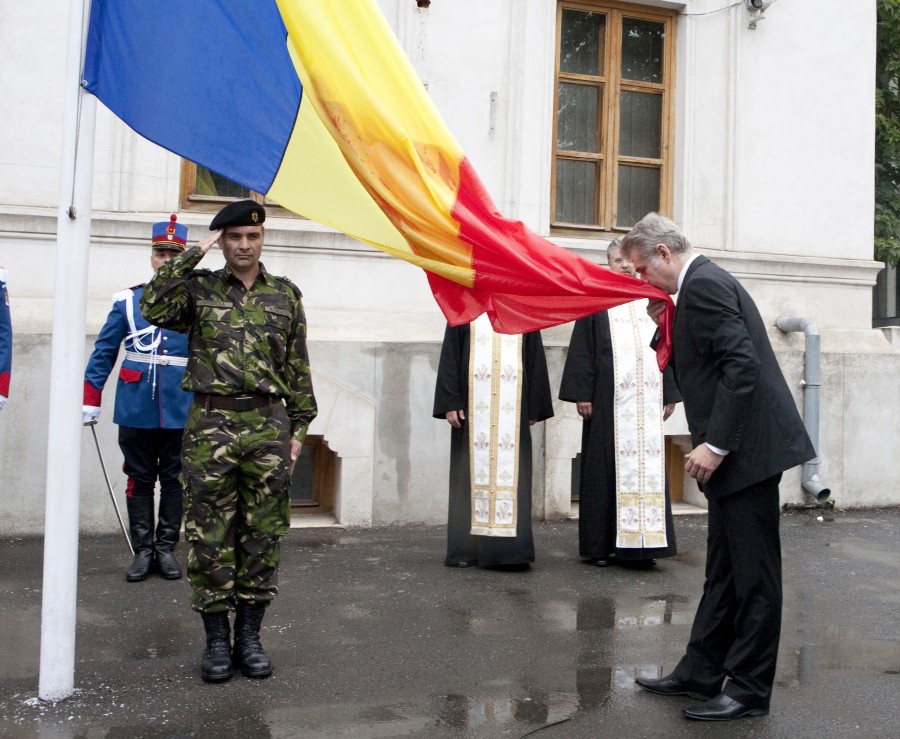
(210, 80)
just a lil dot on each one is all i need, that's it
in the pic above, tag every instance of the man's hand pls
(655, 309)
(89, 414)
(702, 462)
(668, 410)
(585, 409)
(455, 418)
(206, 244)
(296, 446)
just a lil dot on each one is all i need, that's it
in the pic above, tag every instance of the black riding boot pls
(248, 651)
(216, 663)
(168, 528)
(140, 523)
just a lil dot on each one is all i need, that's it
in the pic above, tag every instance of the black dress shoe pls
(599, 562)
(722, 708)
(464, 563)
(670, 685)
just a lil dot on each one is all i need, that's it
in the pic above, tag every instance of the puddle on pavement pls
(492, 714)
(507, 710)
(443, 714)
(596, 614)
(842, 649)
(586, 615)
(856, 549)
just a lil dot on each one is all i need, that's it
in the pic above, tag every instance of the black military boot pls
(168, 528)
(215, 666)
(140, 523)
(248, 651)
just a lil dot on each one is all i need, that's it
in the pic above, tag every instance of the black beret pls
(240, 213)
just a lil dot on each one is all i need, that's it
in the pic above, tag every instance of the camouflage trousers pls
(236, 475)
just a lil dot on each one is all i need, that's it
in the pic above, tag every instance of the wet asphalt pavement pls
(372, 636)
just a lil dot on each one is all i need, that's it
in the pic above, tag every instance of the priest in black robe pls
(452, 402)
(589, 381)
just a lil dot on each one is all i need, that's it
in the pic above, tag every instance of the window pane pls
(642, 50)
(581, 43)
(640, 124)
(304, 472)
(576, 191)
(638, 194)
(214, 185)
(577, 126)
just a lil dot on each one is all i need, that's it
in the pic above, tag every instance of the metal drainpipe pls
(812, 381)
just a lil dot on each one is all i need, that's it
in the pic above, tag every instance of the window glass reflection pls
(640, 124)
(576, 184)
(643, 42)
(576, 128)
(581, 42)
(638, 194)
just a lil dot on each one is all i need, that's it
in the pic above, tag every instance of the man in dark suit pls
(745, 431)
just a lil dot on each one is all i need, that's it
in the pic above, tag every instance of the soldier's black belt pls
(234, 402)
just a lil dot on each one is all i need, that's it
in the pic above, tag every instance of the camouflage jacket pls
(241, 341)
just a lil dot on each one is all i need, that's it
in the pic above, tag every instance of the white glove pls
(2, 401)
(90, 414)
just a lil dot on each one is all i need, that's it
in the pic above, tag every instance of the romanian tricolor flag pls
(314, 104)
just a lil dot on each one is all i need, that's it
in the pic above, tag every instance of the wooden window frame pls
(190, 201)
(324, 464)
(610, 85)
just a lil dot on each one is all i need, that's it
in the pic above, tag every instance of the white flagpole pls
(57, 669)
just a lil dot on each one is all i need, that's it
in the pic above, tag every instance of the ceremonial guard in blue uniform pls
(5, 340)
(151, 409)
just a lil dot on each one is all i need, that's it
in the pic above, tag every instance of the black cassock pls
(589, 376)
(452, 394)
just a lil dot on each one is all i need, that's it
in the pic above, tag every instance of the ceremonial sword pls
(112, 495)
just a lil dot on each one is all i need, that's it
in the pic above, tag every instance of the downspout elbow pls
(790, 323)
(815, 488)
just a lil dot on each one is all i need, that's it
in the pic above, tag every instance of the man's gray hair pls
(614, 244)
(651, 230)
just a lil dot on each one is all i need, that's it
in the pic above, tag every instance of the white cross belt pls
(157, 359)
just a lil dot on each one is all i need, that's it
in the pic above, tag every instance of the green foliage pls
(887, 134)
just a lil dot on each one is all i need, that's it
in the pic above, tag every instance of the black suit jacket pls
(735, 396)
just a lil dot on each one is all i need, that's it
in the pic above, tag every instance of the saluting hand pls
(206, 244)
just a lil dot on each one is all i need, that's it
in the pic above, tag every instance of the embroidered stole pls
(495, 402)
(640, 457)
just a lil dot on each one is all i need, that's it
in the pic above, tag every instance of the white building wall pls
(772, 178)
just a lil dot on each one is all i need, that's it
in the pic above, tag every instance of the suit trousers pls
(738, 622)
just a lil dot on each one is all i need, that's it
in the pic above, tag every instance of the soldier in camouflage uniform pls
(253, 402)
